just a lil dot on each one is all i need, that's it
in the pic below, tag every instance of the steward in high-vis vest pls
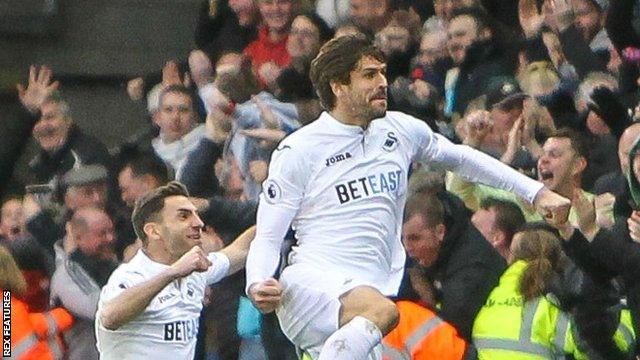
(518, 320)
(510, 327)
(422, 335)
(34, 336)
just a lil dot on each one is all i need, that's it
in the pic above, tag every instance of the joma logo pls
(337, 158)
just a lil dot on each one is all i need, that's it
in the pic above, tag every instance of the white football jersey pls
(343, 190)
(168, 327)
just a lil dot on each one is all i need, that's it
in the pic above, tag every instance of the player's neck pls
(348, 119)
(158, 256)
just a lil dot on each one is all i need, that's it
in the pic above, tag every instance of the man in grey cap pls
(85, 186)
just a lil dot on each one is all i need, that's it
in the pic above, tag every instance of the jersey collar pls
(146, 263)
(340, 127)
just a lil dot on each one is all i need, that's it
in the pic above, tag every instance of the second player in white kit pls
(341, 183)
(150, 307)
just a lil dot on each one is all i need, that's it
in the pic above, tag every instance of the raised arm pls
(197, 172)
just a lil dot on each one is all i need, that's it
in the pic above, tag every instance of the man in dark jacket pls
(604, 254)
(63, 145)
(458, 267)
(616, 182)
(478, 54)
(224, 27)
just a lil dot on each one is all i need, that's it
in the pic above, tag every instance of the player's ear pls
(151, 229)
(337, 88)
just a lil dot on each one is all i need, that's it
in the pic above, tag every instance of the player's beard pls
(379, 112)
(177, 242)
(367, 109)
(373, 111)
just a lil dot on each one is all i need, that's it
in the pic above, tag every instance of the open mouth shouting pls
(547, 177)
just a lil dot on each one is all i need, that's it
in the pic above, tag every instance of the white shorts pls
(310, 308)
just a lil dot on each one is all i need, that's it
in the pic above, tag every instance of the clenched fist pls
(553, 207)
(194, 260)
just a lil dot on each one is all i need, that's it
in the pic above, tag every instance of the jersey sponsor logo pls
(337, 158)
(391, 142)
(190, 290)
(164, 298)
(272, 191)
(183, 330)
(386, 182)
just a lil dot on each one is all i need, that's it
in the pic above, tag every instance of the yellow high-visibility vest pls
(507, 327)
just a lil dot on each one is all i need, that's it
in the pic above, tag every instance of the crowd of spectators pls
(548, 87)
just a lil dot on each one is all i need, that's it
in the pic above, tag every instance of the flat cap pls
(85, 175)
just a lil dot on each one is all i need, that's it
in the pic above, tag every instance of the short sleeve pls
(119, 282)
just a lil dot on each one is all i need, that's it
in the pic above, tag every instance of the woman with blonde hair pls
(33, 335)
(522, 320)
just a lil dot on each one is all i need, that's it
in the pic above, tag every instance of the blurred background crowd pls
(549, 87)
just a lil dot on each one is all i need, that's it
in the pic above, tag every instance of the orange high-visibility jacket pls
(422, 335)
(36, 335)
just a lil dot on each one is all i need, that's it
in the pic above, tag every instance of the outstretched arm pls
(477, 166)
(264, 254)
